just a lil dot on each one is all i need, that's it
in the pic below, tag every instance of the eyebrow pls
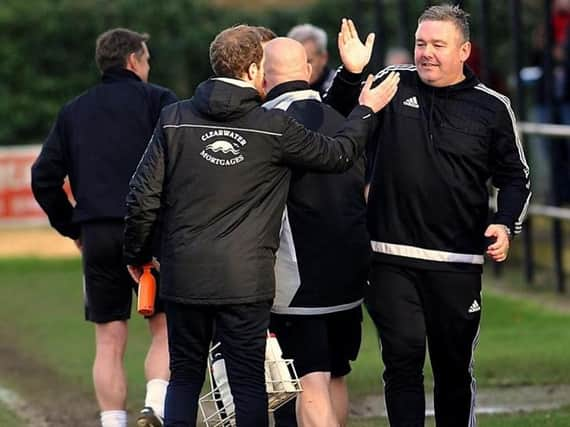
(433, 41)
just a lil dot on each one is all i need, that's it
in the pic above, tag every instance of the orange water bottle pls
(147, 292)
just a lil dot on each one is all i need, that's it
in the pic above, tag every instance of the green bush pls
(47, 46)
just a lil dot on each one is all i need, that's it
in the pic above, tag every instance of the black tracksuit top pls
(217, 169)
(97, 141)
(430, 161)
(323, 258)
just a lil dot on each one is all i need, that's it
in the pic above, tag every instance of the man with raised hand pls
(323, 257)
(217, 169)
(97, 141)
(440, 139)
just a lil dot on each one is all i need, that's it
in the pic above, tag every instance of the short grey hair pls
(447, 12)
(308, 32)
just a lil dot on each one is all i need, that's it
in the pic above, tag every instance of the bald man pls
(322, 261)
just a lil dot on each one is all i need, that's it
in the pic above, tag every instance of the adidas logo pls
(474, 307)
(411, 102)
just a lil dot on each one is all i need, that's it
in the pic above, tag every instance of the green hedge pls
(47, 46)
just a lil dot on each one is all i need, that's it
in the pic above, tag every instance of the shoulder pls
(492, 98)
(85, 98)
(406, 71)
(157, 88)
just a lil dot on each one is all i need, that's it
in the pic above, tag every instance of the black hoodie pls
(434, 152)
(217, 166)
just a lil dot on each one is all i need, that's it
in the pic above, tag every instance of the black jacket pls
(323, 257)
(435, 150)
(97, 141)
(217, 166)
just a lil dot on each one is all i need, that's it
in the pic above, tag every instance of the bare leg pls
(314, 406)
(339, 399)
(108, 371)
(156, 362)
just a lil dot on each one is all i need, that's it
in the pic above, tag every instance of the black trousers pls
(241, 329)
(409, 306)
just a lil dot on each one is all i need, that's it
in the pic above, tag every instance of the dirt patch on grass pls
(496, 400)
(41, 242)
(47, 399)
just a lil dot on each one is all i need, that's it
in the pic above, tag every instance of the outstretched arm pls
(355, 55)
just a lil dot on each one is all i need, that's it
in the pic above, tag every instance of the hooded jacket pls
(433, 154)
(218, 169)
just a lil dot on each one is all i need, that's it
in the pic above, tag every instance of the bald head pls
(285, 61)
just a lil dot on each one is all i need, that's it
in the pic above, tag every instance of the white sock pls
(155, 395)
(114, 418)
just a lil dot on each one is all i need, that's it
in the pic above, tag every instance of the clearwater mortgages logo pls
(224, 148)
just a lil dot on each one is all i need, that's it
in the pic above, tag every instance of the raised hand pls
(381, 95)
(354, 54)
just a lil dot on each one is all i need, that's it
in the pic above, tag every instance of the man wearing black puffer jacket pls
(217, 168)
(439, 141)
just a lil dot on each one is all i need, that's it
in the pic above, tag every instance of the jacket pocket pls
(467, 140)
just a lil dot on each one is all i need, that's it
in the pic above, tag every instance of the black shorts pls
(319, 343)
(107, 286)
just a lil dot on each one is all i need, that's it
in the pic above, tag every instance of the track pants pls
(409, 306)
(241, 329)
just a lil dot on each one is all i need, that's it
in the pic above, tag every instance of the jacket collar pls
(225, 99)
(281, 96)
(282, 88)
(115, 74)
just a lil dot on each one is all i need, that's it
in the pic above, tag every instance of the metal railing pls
(556, 213)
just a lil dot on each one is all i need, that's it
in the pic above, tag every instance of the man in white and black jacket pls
(441, 138)
(217, 168)
(323, 257)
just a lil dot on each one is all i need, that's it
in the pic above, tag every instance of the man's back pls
(224, 164)
(323, 256)
(102, 135)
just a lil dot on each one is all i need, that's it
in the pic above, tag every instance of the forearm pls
(344, 92)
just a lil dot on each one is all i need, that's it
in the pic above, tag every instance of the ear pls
(131, 62)
(252, 71)
(465, 51)
(309, 71)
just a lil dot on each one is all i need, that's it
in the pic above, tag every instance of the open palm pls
(354, 54)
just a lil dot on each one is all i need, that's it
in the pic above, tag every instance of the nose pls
(428, 51)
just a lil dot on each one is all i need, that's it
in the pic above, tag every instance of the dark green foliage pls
(47, 46)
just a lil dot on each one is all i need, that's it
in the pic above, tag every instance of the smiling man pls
(441, 138)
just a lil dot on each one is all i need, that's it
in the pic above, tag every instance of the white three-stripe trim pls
(407, 67)
(424, 254)
(472, 416)
(507, 103)
(283, 102)
(185, 125)
(505, 100)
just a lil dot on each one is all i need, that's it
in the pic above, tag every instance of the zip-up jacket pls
(97, 141)
(435, 150)
(217, 168)
(323, 257)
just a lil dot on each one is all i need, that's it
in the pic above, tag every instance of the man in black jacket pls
(217, 169)
(97, 141)
(323, 257)
(440, 140)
